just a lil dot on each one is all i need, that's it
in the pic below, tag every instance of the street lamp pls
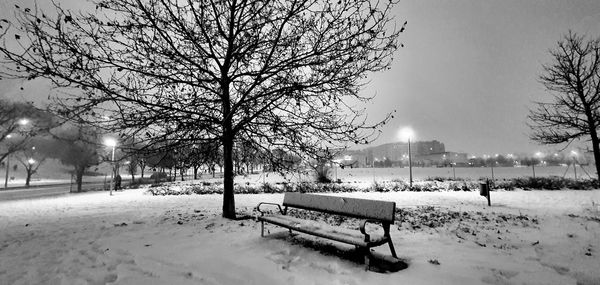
(574, 154)
(537, 155)
(406, 134)
(110, 142)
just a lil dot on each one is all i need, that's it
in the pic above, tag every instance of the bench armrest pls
(272, 204)
(386, 228)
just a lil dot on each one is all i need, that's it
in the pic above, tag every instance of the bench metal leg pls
(262, 228)
(367, 256)
(392, 248)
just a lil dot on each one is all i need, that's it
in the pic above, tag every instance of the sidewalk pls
(20, 183)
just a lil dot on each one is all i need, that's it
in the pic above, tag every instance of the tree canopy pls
(283, 74)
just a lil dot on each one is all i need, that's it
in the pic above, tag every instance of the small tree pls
(76, 146)
(132, 167)
(31, 159)
(573, 80)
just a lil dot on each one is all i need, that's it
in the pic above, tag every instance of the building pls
(424, 153)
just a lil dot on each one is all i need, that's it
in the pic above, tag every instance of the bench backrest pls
(353, 207)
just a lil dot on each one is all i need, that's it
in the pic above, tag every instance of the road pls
(45, 190)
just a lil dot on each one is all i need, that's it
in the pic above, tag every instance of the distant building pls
(424, 153)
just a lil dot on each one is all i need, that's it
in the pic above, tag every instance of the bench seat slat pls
(353, 207)
(317, 229)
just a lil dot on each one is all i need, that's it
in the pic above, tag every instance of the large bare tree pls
(573, 80)
(282, 74)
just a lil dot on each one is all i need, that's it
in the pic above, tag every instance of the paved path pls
(48, 190)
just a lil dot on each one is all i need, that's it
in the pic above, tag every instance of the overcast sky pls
(467, 74)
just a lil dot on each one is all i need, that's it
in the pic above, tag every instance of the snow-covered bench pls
(371, 211)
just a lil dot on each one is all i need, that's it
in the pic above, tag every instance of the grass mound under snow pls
(436, 184)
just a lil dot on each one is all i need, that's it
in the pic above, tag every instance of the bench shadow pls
(378, 263)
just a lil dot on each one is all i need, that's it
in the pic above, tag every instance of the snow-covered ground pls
(526, 237)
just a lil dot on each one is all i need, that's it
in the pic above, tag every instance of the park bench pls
(370, 211)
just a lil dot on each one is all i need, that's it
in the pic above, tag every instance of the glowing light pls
(406, 134)
(110, 142)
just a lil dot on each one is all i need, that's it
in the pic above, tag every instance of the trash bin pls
(484, 189)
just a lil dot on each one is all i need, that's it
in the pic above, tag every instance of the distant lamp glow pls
(406, 134)
(23, 122)
(110, 142)
(31, 161)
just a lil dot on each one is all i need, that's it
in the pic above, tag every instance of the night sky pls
(466, 76)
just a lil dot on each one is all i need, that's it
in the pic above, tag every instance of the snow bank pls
(526, 237)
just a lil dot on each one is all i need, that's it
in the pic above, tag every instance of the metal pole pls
(453, 172)
(7, 167)
(575, 167)
(489, 193)
(410, 165)
(112, 173)
(533, 168)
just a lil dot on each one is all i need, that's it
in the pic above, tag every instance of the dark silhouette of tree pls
(31, 159)
(19, 123)
(573, 80)
(277, 73)
(76, 146)
(131, 167)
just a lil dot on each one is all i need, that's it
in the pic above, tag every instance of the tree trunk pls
(596, 148)
(228, 139)
(142, 167)
(79, 178)
(28, 178)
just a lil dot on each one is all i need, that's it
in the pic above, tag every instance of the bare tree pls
(76, 146)
(31, 159)
(19, 123)
(573, 79)
(132, 167)
(278, 73)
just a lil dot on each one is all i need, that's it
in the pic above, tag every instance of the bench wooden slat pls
(354, 207)
(324, 231)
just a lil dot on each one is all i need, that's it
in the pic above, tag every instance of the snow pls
(546, 237)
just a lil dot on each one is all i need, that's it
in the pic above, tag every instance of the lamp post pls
(407, 133)
(22, 122)
(110, 142)
(574, 153)
(7, 165)
(538, 155)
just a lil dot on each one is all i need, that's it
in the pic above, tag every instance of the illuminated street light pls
(23, 122)
(110, 142)
(406, 134)
(574, 154)
(31, 161)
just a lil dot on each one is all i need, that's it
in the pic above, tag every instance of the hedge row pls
(436, 185)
